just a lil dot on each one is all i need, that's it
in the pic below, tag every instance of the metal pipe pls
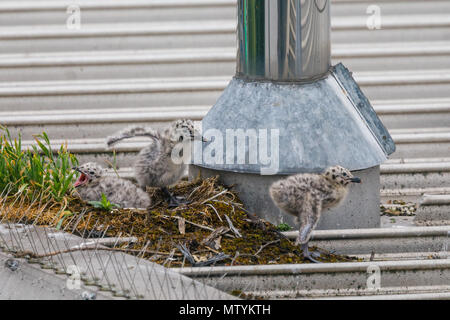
(283, 40)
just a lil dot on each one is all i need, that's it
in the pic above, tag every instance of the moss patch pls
(161, 231)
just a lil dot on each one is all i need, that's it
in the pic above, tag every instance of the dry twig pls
(235, 231)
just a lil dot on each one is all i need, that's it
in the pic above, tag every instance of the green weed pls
(104, 204)
(37, 169)
(283, 227)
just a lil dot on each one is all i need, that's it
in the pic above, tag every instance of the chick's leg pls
(172, 200)
(308, 224)
(309, 255)
(306, 230)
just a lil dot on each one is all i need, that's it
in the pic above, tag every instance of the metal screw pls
(12, 264)
(86, 295)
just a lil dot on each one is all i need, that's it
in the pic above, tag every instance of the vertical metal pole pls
(283, 40)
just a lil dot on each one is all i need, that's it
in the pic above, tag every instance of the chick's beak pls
(355, 180)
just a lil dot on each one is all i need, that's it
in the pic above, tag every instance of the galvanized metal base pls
(323, 123)
(361, 209)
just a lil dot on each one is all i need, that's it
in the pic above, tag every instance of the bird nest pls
(213, 229)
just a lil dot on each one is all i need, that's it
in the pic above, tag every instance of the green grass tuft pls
(284, 227)
(37, 170)
(104, 204)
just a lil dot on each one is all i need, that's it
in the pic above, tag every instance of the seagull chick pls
(93, 182)
(155, 166)
(306, 195)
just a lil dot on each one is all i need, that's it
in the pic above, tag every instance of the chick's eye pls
(345, 174)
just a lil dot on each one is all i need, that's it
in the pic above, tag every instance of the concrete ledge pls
(411, 194)
(98, 116)
(50, 5)
(403, 256)
(393, 21)
(412, 296)
(122, 29)
(30, 282)
(416, 167)
(111, 86)
(316, 268)
(433, 214)
(417, 160)
(432, 222)
(420, 179)
(385, 49)
(432, 199)
(363, 242)
(114, 57)
(375, 233)
(394, 107)
(413, 144)
(330, 276)
(421, 137)
(433, 210)
(388, 293)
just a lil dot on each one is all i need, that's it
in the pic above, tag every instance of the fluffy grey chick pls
(93, 182)
(155, 166)
(306, 195)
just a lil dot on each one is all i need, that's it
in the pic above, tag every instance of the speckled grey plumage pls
(154, 166)
(306, 195)
(119, 191)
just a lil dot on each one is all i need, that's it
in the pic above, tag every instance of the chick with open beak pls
(90, 173)
(306, 195)
(93, 182)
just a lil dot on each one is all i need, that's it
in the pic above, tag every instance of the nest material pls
(398, 208)
(214, 228)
